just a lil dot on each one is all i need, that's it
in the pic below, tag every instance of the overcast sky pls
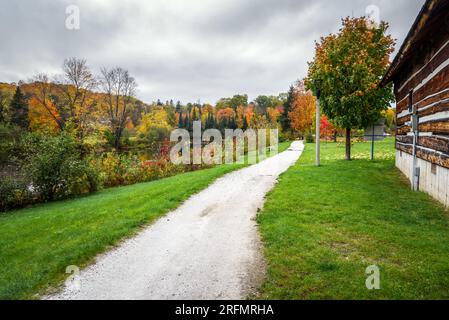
(183, 50)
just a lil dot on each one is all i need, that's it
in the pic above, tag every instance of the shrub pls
(8, 136)
(153, 138)
(125, 169)
(56, 168)
(14, 194)
(116, 169)
(310, 138)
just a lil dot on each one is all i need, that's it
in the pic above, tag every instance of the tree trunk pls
(118, 135)
(348, 144)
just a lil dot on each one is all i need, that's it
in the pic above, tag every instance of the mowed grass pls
(322, 227)
(37, 244)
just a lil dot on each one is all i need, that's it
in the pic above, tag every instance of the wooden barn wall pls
(427, 74)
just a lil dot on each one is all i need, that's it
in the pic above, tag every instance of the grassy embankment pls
(38, 243)
(323, 227)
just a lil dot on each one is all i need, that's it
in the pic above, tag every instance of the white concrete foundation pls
(436, 184)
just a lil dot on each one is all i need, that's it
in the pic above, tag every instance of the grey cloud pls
(238, 17)
(186, 50)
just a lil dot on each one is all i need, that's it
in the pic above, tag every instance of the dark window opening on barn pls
(434, 168)
(410, 101)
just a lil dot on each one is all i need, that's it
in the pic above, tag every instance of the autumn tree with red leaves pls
(349, 67)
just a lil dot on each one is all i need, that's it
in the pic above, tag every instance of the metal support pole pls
(372, 145)
(415, 168)
(414, 180)
(317, 139)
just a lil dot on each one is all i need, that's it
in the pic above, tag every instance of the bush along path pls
(208, 248)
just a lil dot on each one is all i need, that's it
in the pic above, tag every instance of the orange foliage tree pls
(273, 115)
(303, 110)
(42, 119)
(348, 67)
(42, 90)
(227, 113)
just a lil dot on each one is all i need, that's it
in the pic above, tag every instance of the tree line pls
(104, 108)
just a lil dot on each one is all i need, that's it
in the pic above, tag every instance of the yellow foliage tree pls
(156, 119)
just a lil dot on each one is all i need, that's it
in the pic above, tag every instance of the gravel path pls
(209, 248)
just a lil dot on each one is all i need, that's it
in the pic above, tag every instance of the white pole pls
(415, 170)
(414, 182)
(317, 139)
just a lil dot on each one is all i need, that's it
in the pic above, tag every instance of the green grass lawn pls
(37, 244)
(323, 227)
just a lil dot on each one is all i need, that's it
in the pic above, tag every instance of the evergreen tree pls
(288, 106)
(180, 121)
(19, 109)
(2, 108)
(207, 124)
(189, 107)
(245, 123)
(178, 107)
(224, 124)
(233, 123)
(210, 121)
(188, 125)
(220, 125)
(2, 117)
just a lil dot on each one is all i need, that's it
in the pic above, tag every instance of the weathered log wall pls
(420, 73)
(426, 77)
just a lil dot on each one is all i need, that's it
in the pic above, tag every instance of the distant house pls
(420, 73)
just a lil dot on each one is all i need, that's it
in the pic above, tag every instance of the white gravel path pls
(209, 248)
